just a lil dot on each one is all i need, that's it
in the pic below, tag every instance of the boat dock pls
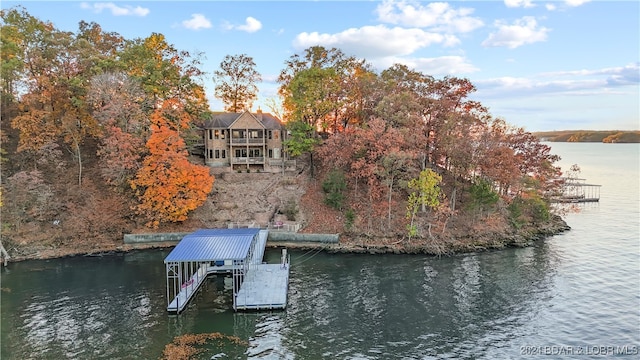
(575, 190)
(238, 252)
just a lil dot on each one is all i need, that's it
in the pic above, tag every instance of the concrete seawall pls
(274, 236)
(150, 238)
(283, 236)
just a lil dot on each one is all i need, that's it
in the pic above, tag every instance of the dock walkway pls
(264, 288)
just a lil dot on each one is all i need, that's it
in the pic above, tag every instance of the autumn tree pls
(236, 82)
(425, 192)
(166, 73)
(53, 108)
(119, 105)
(310, 99)
(302, 139)
(344, 83)
(168, 186)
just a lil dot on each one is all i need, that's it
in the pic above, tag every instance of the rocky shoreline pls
(346, 245)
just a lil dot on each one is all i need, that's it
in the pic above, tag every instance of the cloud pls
(522, 31)
(251, 25)
(574, 83)
(614, 76)
(116, 10)
(197, 22)
(375, 41)
(436, 15)
(565, 4)
(575, 3)
(519, 3)
(439, 66)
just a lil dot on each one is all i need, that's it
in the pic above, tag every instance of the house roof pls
(213, 245)
(223, 120)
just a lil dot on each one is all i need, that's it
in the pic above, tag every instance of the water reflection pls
(414, 306)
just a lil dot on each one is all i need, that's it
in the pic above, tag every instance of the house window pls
(237, 134)
(241, 152)
(276, 134)
(270, 134)
(217, 134)
(224, 154)
(270, 153)
(210, 154)
(217, 154)
(210, 134)
(254, 152)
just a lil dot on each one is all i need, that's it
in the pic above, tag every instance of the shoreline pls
(359, 245)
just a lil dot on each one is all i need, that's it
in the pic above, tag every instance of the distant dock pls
(574, 190)
(239, 252)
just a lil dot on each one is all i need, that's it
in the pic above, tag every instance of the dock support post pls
(4, 255)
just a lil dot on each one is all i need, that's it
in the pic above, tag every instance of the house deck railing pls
(244, 140)
(248, 160)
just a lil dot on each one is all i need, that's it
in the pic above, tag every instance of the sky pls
(540, 65)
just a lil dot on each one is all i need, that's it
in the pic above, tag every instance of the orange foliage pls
(168, 185)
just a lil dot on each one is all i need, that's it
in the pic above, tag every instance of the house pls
(244, 141)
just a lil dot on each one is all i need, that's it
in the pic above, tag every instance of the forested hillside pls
(613, 136)
(95, 129)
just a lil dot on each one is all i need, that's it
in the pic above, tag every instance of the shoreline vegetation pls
(358, 245)
(603, 136)
(103, 136)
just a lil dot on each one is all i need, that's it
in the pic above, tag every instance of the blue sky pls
(541, 65)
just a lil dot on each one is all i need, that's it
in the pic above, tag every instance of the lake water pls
(577, 293)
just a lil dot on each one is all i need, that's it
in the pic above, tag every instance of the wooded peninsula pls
(98, 137)
(611, 136)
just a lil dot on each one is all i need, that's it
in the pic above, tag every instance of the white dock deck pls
(188, 290)
(264, 287)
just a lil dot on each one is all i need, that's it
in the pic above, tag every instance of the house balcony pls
(245, 141)
(247, 160)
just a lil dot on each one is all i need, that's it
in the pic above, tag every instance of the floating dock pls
(238, 252)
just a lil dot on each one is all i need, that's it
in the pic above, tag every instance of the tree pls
(311, 96)
(236, 82)
(342, 94)
(168, 185)
(166, 73)
(334, 186)
(426, 193)
(482, 196)
(302, 139)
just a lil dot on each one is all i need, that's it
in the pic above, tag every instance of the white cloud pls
(197, 22)
(614, 76)
(522, 31)
(116, 10)
(251, 25)
(566, 4)
(574, 83)
(436, 15)
(439, 66)
(375, 41)
(575, 3)
(519, 3)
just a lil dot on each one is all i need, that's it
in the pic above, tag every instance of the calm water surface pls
(579, 291)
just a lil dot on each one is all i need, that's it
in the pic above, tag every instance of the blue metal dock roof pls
(213, 245)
